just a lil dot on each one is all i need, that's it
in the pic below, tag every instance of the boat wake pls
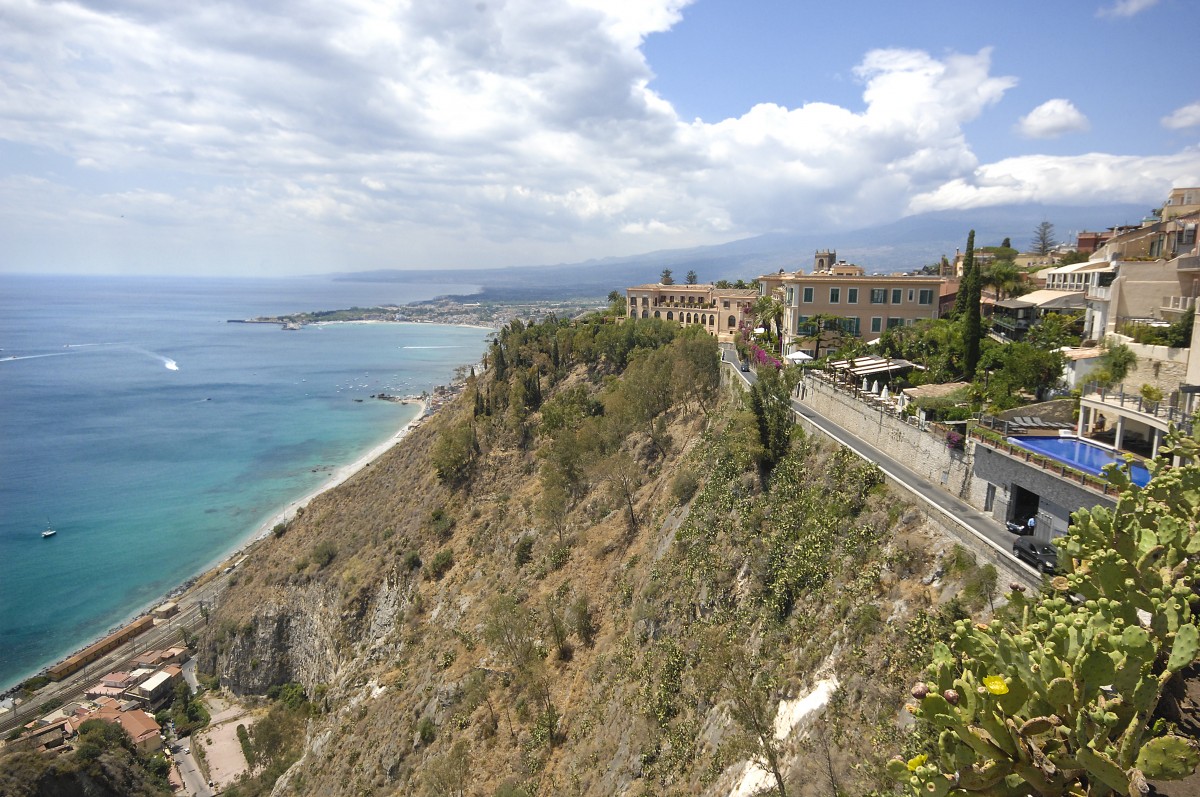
(34, 356)
(167, 362)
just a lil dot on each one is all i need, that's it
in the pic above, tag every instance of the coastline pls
(339, 477)
(254, 535)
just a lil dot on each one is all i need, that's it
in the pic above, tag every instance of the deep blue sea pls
(156, 437)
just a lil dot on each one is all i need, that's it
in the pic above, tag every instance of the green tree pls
(770, 401)
(1115, 363)
(1073, 257)
(825, 331)
(1017, 368)
(454, 453)
(1043, 242)
(744, 681)
(665, 278)
(1005, 278)
(1055, 330)
(449, 775)
(691, 278)
(971, 287)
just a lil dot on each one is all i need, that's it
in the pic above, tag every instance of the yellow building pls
(857, 303)
(721, 311)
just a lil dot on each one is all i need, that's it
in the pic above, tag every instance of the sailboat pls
(49, 532)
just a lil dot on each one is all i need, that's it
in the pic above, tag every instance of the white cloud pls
(1187, 116)
(362, 134)
(1052, 119)
(1126, 8)
(1080, 179)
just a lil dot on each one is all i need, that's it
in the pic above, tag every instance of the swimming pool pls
(1080, 455)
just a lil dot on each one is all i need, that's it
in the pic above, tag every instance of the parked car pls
(1041, 555)
(1017, 527)
(745, 365)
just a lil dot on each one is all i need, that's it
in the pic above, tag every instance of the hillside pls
(599, 572)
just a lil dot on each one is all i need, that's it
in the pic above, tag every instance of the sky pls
(273, 138)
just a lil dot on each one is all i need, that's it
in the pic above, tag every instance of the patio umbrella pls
(798, 357)
(864, 387)
(875, 387)
(884, 393)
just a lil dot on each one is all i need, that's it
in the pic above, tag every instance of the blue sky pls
(296, 137)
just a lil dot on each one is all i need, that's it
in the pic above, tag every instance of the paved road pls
(193, 781)
(988, 530)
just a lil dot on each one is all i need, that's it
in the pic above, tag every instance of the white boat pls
(49, 532)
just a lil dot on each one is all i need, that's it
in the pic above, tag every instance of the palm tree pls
(1005, 278)
(769, 311)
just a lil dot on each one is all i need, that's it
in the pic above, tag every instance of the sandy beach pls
(340, 475)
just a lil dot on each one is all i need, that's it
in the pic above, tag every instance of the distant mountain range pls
(903, 245)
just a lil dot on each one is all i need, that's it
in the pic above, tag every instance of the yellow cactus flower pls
(913, 763)
(995, 684)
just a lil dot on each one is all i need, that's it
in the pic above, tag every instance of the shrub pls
(441, 563)
(441, 524)
(324, 553)
(684, 486)
(524, 550)
(426, 731)
(955, 440)
(411, 560)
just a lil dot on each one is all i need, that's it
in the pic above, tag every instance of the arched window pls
(645, 314)
(657, 314)
(732, 322)
(670, 315)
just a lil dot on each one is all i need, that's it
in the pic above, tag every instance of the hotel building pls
(861, 304)
(721, 311)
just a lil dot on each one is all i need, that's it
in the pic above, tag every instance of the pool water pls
(1080, 455)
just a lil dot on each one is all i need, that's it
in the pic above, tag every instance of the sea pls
(156, 438)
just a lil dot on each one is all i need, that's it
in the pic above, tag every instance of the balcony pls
(1100, 293)
(685, 305)
(1188, 263)
(1178, 304)
(1156, 413)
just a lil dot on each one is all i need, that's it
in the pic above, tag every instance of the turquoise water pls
(155, 437)
(1081, 455)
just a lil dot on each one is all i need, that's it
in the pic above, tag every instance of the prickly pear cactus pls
(1058, 698)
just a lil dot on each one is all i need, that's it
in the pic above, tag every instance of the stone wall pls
(923, 451)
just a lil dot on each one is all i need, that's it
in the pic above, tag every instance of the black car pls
(745, 365)
(1041, 555)
(1019, 528)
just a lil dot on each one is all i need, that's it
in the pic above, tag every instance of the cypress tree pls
(970, 290)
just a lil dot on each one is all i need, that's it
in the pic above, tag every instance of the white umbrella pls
(884, 393)
(798, 357)
(864, 387)
(875, 386)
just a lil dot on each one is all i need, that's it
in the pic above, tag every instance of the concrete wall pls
(978, 475)
(923, 452)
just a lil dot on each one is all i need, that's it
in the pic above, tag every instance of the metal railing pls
(1163, 410)
(1045, 463)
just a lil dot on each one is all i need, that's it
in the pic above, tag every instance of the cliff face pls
(566, 622)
